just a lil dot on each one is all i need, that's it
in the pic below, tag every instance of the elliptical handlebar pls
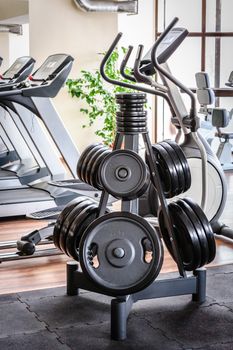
(142, 78)
(193, 110)
(124, 63)
(117, 82)
(122, 83)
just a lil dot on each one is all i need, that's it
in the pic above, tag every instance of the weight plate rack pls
(120, 253)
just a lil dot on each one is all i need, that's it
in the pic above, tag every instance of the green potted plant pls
(99, 97)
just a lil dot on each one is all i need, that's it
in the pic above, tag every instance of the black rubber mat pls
(48, 319)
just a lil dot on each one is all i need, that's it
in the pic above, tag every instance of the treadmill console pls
(18, 67)
(165, 49)
(51, 67)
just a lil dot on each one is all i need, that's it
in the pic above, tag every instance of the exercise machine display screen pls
(17, 67)
(51, 66)
(165, 49)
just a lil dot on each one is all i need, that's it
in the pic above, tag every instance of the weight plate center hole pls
(123, 173)
(118, 253)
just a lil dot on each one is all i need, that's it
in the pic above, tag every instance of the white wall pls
(12, 8)
(19, 44)
(13, 46)
(139, 29)
(59, 26)
(4, 51)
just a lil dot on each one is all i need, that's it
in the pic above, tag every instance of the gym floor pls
(50, 272)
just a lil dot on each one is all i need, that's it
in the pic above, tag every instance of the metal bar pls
(131, 143)
(168, 288)
(37, 254)
(157, 184)
(155, 119)
(208, 34)
(118, 319)
(13, 244)
(130, 6)
(203, 38)
(217, 49)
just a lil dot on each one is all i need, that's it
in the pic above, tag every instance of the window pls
(209, 44)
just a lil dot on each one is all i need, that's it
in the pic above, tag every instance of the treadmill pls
(5, 145)
(7, 151)
(34, 95)
(20, 160)
(17, 72)
(4, 142)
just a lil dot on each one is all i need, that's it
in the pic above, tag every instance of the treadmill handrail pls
(10, 93)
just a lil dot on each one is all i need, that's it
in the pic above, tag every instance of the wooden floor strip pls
(40, 273)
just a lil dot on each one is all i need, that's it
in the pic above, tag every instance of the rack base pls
(121, 306)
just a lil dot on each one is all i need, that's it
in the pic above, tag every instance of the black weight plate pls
(118, 239)
(148, 203)
(132, 109)
(199, 230)
(121, 123)
(177, 164)
(86, 160)
(85, 217)
(131, 127)
(78, 226)
(131, 119)
(167, 171)
(82, 158)
(94, 179)
(126, 102)
(129, 111)
(127, 107)
(154, 200)
(131, 130)
(92, 162)
(68, 208)
(131, 114)
(124, 174)
(186, 237)
(206, 227)
(130, 96)
(132, 124)
(68, 221)
(184, 162)
(90, 156)
(128, 124)
(180, 215)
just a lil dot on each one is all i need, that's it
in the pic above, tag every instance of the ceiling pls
(14, 11)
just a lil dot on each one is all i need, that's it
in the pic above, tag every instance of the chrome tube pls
(130, 6)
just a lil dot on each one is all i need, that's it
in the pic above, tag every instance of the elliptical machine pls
(218, 117)
(213, 195)
(209, 188)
